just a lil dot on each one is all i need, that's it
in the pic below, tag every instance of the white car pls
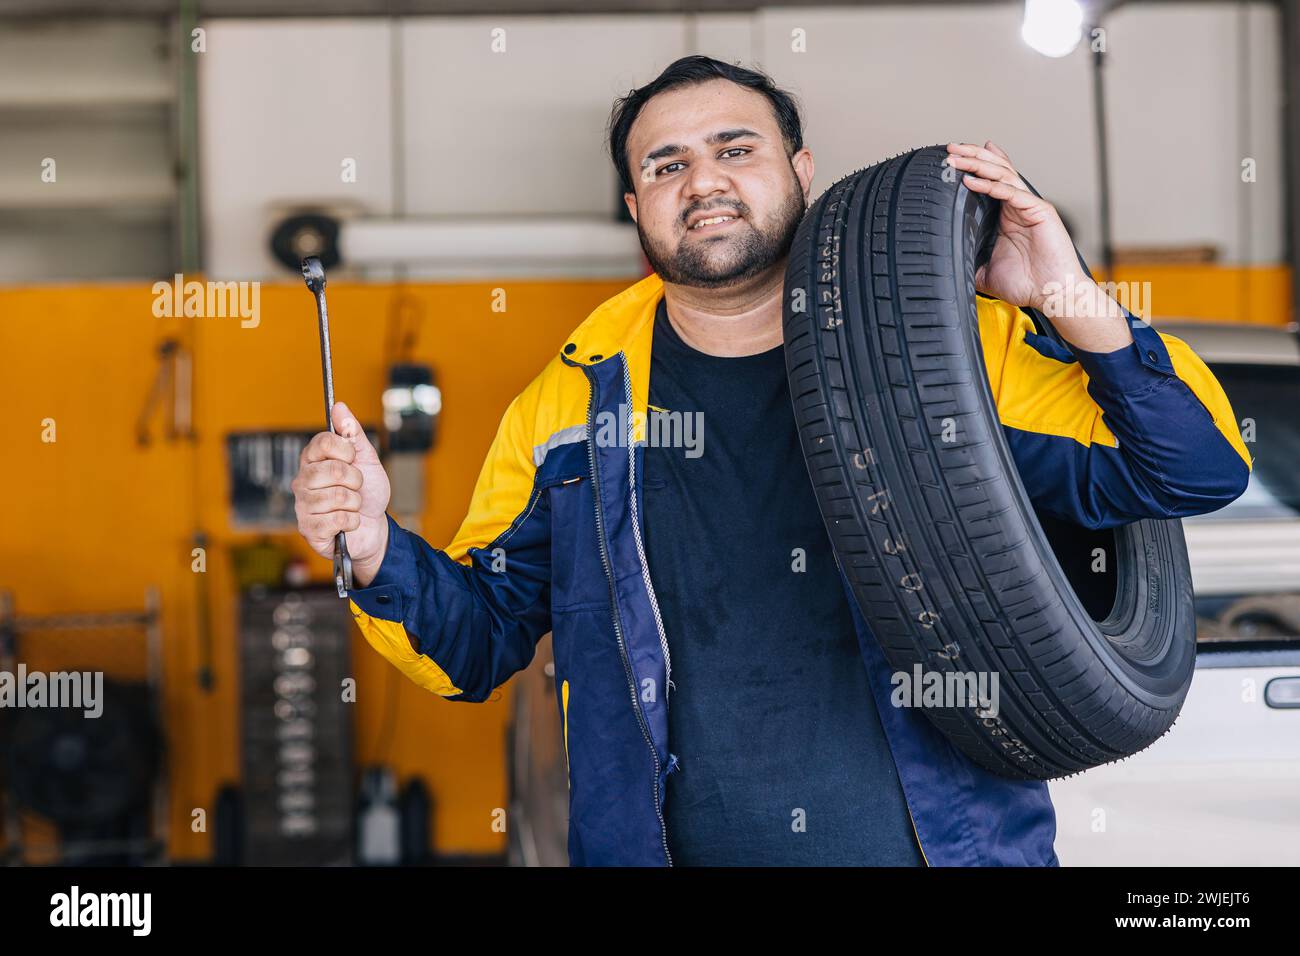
(1223, 786)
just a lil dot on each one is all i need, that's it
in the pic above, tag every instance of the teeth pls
(710, 221)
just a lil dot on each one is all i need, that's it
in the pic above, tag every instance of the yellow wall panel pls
(93, 518)
(1257, 295)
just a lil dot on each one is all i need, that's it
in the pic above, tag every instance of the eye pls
(736, 149)
(663, 169)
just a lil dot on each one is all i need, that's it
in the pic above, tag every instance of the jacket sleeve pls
(1104, 439)
(477, 609)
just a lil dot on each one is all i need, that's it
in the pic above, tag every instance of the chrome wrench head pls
(313, 273)
(342, 566)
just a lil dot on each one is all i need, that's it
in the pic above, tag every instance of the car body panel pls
(1223, 786)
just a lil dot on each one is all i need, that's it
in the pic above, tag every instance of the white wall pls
(282, 105)
(517, 132)
(880, 81)
(484, 133)
(1179, 103)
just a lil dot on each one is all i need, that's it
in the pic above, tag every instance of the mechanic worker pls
(720, 701)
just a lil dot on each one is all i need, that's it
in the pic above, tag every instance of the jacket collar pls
(623, 324)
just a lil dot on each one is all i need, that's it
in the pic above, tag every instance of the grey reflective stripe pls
(565, 436)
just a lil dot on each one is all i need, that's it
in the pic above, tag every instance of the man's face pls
(714, 150)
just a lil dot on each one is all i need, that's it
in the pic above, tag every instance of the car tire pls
(941, 546)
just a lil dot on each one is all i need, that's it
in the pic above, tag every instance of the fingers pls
(319, 530)
(988, 170)
(330, 489)
(983, 162)
(327, 491)
(1004, 191)
(325, 474)
(327, 488)
(971, 151)
(1034, 208)
(346, 424)
(982, 167)
(989, 151)
(321, 501)
(995, 148)
(325, 446)
(323, 512)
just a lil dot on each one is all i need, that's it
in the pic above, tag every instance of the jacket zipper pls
(640, 552)
(919, 845)
(613, 604)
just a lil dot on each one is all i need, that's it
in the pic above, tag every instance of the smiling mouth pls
(712, 223)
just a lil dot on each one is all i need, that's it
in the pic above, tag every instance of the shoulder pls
(1001, 321)
(556, 399)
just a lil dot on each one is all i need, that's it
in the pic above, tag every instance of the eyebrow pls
(713, 139)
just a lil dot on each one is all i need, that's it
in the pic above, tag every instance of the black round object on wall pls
(306, 234)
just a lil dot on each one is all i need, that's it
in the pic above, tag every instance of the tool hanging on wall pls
(313, 274)
(174, 375)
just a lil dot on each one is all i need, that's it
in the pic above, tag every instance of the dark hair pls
(687, 71)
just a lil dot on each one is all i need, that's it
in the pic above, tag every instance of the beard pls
(744, 251)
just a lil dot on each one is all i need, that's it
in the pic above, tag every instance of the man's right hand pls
(341, 486)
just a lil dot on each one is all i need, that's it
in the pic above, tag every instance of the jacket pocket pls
(577, 572)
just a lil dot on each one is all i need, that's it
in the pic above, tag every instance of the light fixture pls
(1052, 27)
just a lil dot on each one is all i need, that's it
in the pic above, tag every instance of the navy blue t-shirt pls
(782, 759)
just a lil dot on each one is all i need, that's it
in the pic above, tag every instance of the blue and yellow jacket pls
(554, 542)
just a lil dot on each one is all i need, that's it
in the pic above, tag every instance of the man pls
(721, 698)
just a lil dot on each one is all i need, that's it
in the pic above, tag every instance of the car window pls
(1266, 400)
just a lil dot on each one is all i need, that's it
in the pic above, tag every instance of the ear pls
(630, 200)
(802, 162)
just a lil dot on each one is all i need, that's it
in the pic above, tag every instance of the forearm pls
(1175, 428)
(457, 630)
(1102, 438)
(1087, 317)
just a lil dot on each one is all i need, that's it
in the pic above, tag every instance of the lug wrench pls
(314, 275)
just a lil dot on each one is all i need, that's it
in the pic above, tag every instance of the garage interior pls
(441, 157)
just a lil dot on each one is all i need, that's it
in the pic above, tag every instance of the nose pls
(707, 179)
